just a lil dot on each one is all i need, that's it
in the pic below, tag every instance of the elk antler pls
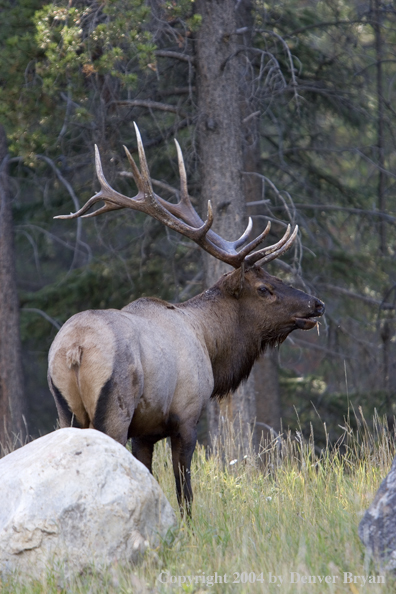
(181, 217)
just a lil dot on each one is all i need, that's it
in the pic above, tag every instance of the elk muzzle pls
(308, 322)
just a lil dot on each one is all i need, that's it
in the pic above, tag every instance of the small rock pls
(377, 530)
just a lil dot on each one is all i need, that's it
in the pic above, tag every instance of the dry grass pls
(291, 509)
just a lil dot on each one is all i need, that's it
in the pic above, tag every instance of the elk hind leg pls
(67, 418)
(113, 411)
(183, 446)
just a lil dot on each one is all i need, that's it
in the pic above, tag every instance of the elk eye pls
(264, 291)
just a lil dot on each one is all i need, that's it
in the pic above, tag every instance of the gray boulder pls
(377, 530)
(76, 498)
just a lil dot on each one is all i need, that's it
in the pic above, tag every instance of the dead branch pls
(166, 134)
(42, 314)
(175, 55)
(75, 202)
(357, 211)
(316, 347)
(177, 91)
(149, 105)
(325, 24)
(352, 295)
(54, 237)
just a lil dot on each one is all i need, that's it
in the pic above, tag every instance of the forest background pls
(284, 111)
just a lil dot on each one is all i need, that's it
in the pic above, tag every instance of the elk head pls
(277, 306)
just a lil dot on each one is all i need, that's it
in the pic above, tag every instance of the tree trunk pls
(267, 410)
(12, 401)
(219, 132)
(380, 126)
(265, 371)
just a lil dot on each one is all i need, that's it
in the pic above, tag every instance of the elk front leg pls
(142, 449)
(183, 445)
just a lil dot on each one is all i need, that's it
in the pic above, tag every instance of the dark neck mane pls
(233, 343)
(230, 372)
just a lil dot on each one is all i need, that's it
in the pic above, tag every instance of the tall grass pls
(288, 508)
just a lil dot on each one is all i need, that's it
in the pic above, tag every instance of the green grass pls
(291, 509)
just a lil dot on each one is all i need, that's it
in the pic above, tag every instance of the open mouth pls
(305, 323)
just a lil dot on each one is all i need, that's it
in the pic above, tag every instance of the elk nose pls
(319, 307)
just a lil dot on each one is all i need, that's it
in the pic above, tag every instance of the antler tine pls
(110, 197)
(253, 244)
(135, 171)
(245, 235)
(182, 174)
(107, 194)
(145, 175)
(99, 169)
(184, 209)
(253, 258)
(276, 250)
(202, 231)
(106, 208)
(87, 206)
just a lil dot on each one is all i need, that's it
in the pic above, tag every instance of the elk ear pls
(235, 281)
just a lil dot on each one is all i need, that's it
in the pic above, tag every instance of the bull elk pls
(146, 371)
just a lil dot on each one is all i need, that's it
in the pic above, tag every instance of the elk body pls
(147, 371)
